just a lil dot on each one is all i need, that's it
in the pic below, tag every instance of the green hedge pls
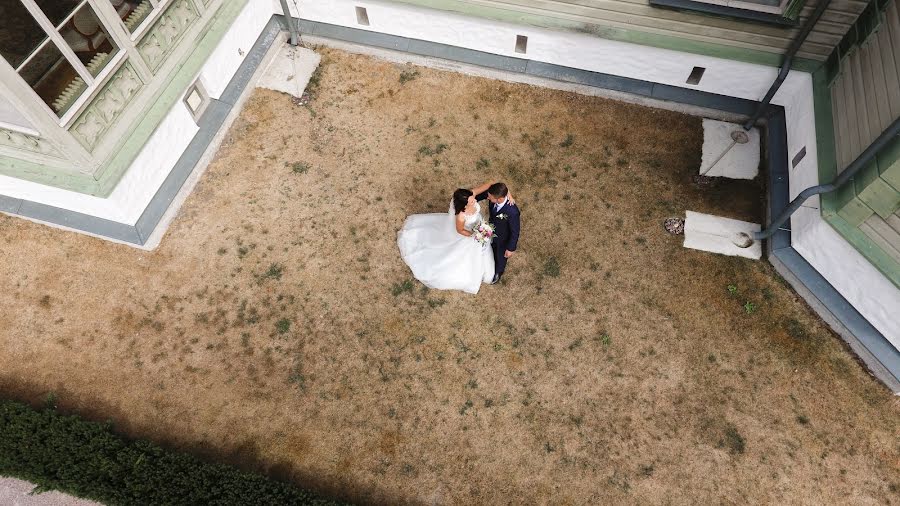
(86, 459)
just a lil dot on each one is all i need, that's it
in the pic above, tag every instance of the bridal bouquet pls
(483, 233)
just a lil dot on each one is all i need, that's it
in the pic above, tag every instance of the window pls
(133, 13)
(59, 47)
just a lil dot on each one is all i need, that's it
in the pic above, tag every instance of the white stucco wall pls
(860, 283)
(234, 47)
(131, 196)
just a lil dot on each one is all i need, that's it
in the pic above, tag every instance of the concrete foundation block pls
(721, 158)
(716, 235)
(290, 70)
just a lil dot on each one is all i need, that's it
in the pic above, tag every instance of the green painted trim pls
(793, 8)
(825, 151)
(46, 175)
(874, 189)
(632, 36)
(878, 258)
(876, 192)
(852, 209)
(159, 106)
(889, 164)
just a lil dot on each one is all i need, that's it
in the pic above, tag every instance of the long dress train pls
(442, 258)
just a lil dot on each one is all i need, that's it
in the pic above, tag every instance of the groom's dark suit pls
(506, 229)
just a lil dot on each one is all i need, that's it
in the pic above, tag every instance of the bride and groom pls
(449, 252)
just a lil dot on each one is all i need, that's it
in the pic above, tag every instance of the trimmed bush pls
(86, 459)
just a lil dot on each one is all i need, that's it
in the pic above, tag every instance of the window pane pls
(20, 34)
(132, 12)
(89, 39)
(53, 78)
(57, 10)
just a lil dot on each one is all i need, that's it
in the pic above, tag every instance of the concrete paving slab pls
(14, 492)
(724, 158)
(715, 234)
(290, 71)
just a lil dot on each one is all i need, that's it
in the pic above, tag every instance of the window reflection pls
(20, 34)
(132, 12)
(89, 39)
(53, 78)
(57, 10)
(41, 62)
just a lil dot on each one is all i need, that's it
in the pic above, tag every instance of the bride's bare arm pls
(461, 225)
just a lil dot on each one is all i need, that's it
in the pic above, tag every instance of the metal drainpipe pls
(788, 60)
(861, 161)
(291, 26)
(742, 239)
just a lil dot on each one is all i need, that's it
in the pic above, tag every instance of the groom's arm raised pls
(481, 191)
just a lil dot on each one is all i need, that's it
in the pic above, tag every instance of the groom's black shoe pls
(496, 278)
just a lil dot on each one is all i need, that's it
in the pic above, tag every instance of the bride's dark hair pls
(461, 199)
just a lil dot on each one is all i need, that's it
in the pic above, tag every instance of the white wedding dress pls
(442, 258)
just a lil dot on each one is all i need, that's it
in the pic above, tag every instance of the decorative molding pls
(26, 142)
(106, 107)
(164, 35)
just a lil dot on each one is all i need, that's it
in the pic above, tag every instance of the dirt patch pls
(276, 326)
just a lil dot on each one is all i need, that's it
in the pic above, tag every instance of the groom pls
(504, 216)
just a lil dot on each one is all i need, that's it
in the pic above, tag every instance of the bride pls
(440, 250)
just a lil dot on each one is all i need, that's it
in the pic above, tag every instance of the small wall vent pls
(196, 99)
(798, 157)
(521, 44)
(696, 75)
(362, 17)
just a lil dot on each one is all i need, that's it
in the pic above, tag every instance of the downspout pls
(783, 72)
(742, 239)
(292, 27)
(745, 240)
(792, 50)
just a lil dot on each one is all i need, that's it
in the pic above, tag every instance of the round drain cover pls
(674, 226)
(742, 240)
(740, 137)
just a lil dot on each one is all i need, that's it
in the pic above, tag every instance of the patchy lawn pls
(276, 327)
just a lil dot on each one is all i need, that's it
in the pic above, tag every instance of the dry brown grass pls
(273, 327)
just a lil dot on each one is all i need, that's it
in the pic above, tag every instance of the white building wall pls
(234, 47)
(131, 196)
